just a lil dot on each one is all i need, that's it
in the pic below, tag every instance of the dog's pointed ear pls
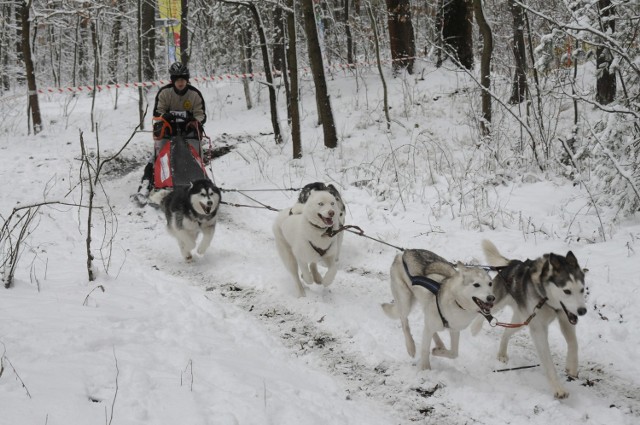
(554, 261)
(190, 185)
(571, 259)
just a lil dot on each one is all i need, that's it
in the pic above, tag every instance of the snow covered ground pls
(222, 341)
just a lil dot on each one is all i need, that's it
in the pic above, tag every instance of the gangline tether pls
(359, 232)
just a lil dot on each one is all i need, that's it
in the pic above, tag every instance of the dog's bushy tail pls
(493, 255)
(391, 310)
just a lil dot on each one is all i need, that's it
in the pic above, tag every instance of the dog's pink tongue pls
(328, 221)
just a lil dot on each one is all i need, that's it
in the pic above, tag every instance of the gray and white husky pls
(552, 286)
(304, 239)
(450, 298)
(191, 211)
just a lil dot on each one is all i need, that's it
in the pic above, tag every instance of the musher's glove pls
(168, 116)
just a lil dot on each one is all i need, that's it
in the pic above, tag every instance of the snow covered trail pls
(342, 331)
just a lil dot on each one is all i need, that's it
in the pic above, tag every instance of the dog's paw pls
(443, 352)
(571, 374)
(201, 250)
(188, 258)
(327, 281)
(561, 393)
(317, 278)
(504, 358)
(306, 277)
(411, 348)
(424, 364)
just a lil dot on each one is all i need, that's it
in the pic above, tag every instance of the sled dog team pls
(451, 296)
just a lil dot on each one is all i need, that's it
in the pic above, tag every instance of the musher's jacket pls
(168, 100)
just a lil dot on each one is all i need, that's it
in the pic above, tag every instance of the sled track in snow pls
(305, 340)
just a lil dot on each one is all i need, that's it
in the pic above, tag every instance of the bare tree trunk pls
(81, 40)
(33, 105)
(4, 48)
(148, 39)
(245, 70)
(112, 61)
(401, 37)
(255, 13)
(485, 66)
(87, 164)
(96, 69)
(184, 32)
(116, 48)
(317, 68)
(457, 31)
(140, 72)
(347, 30)
(605, 78)
(19, 50)
(293, 99)
(376, 39)
(267, 71)
(278, 40)
(519, 87)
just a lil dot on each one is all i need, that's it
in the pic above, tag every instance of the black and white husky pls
(304, 237)
(450, 298)
(551, 286)
(191, 211)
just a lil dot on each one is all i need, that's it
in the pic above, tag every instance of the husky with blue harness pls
(450, 296)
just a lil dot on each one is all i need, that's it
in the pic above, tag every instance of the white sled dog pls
(191, 211)
(319, 186)
(551, 286)
(303, 238)
(450, 298)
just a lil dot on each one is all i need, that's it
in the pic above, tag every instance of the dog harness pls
(429, 284)
(320, 251)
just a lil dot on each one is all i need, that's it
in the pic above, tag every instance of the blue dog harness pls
(429, 284)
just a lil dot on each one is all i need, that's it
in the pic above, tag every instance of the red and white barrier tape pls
(160, 83)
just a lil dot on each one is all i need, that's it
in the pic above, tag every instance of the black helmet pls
(178, 70)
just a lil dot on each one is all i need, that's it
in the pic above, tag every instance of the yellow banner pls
(170, 11)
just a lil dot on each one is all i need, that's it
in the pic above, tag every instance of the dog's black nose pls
(582, 311)
(491, 298)
(331, 213)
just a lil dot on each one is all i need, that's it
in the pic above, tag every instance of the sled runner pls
(177, 157)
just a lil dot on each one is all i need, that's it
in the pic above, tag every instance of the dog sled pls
(177, 158)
